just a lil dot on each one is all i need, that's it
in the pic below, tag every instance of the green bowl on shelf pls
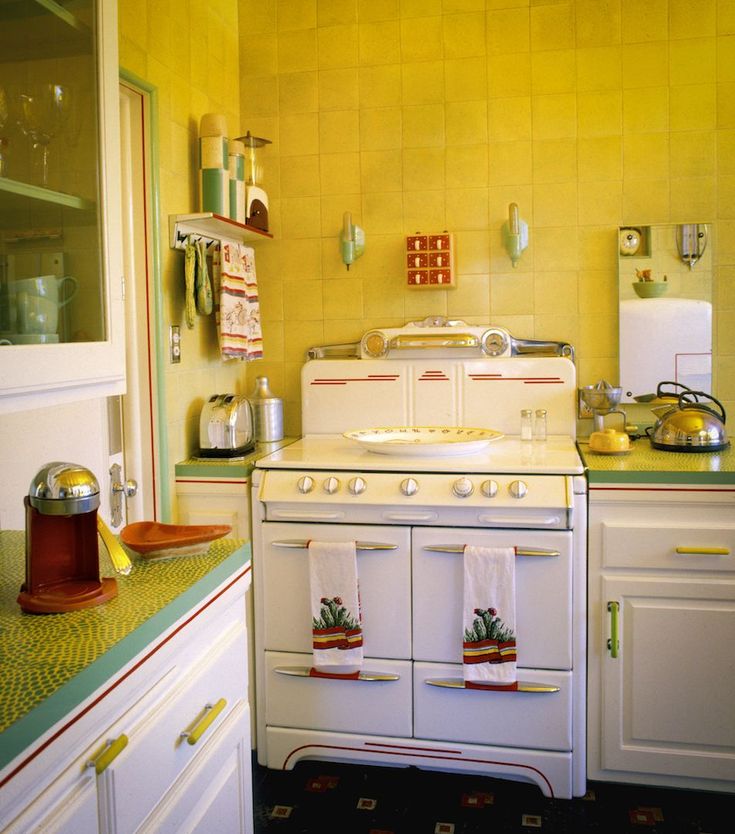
(650, 289)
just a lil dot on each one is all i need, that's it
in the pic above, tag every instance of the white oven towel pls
(335, 607)
(489, 622)
(237, 308)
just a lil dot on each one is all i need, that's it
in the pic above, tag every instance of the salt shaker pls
(526, 424)
(539, 424)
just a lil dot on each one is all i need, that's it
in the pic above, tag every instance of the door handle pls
(303, 544)
(613, 644)
(520, 550)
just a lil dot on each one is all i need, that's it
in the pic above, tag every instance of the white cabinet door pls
(69, 810)
(666, 699)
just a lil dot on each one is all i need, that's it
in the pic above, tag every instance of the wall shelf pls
(210, 227)
(46, 195)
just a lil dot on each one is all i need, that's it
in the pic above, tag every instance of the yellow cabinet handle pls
(109, 754)
(211, 711)
(703, 551)
(613, 644)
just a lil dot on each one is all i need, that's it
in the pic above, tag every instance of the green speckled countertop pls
(646, 465)
(240, 467)
(49, 663)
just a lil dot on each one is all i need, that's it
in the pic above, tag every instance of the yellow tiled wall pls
(436, 114)
(189, 52)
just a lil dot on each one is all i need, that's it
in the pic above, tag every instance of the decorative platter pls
(423, 441)
(153, 540)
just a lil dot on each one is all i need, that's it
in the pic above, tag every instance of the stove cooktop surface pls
(555, 456)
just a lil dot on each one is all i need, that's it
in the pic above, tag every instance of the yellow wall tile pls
(472, 292)
(339, 130)
(555, 249)
(466, 165)
(508, 31)
(725, 18)
(692, 154)
(509, 75)
(555, 292)
(554, 160)
(335, 12)
(599, 68)
(369, 10)
(465, 79)
(466, 122)
(511, 294)
(381, 171)
(381, 128)
(472, 252)
(554, 116)
(600, 158)
(260, 57)
(600, 202)
(467, 208)
(598, 22)
(651, 20)
(297, 51)
(645, 65)
(693, 197)
(692, 61)
(599, 113)
(298, 92)
(646, 156)
(510, 118)
(684, 24)
(423, 126)
(421, 39)
(299, 176)
(338, 89)
(680, 106)
(423, 168)
(343, 299)
(554, 71)
(423, 210)
(337, 46)
(463, 35)
(725, 105)
(380, 43)
(725, 59)
(646, 202)
(299, 134)
(725, 143)
(422, 82)
(340, 173)
(509, 163)
(300, 217)
(552, 26)
(302, 300)
(295, 14)
(380, 86)
(555, 204)
(646, 110)
(382, 213)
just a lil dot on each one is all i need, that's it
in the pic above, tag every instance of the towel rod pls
(522, 686)
(305, 672)
(520, 551)
(303, 544)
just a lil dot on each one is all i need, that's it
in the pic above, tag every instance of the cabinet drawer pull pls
(211, 711)
(303, 544)
(520, 686)
(703, 551)
(305, 672)
(613, 644)
(109, 754)
(520, 551)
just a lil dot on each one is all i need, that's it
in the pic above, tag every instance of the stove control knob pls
(357, 486)
(489, 488)
(331, 485)
(518, 489)
(305, 484)
(463, 487)
(409, 486)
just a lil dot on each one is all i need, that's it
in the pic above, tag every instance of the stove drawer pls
(543, 595)
(514, 719)
(377, 707)
(384, 578)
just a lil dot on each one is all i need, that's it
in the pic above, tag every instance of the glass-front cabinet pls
(61, 286)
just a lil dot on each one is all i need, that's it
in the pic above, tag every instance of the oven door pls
(543, 593)
(384, 577)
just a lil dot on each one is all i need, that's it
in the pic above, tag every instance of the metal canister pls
(267, 412)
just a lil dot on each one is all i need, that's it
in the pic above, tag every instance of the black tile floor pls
(322, 798)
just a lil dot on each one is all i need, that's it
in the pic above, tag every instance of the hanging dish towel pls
(236, 302)
(190, 265)
(335, 607)
(489, 644)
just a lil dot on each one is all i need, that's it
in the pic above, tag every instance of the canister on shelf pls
(214, 174)
(267, 412)
(237, 181)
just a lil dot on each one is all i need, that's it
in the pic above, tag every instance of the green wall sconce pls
(515, 234)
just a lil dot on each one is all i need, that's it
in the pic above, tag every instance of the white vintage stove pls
(411, 509)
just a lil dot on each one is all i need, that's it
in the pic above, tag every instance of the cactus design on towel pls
(336, 627)
(489, 640)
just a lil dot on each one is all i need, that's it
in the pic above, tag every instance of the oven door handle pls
(520, 686)
(520, 551)
(303, 544)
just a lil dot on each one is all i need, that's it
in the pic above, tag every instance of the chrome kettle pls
(690, 425)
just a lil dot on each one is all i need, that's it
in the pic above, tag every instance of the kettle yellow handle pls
(119, 558)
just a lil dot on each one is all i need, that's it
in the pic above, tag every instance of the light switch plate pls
(174, 344)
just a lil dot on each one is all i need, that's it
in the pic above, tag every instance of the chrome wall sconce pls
(691, 241)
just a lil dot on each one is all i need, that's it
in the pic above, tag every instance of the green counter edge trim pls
(208, 470)
(27, 730)
(597, 476)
